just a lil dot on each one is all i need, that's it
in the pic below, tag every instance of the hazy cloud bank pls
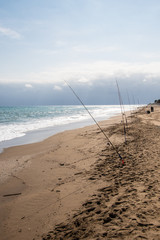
(99, 92)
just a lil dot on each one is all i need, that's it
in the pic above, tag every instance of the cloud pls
(9, 33)
(58, 88)
(46, 51)
(89, 73)
(27, 85)
(86, 49)
(61, 43)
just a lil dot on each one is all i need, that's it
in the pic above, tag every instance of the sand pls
(73, 185)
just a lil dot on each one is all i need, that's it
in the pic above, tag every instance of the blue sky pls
(89, 43)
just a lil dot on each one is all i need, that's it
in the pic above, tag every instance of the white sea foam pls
(34, 119)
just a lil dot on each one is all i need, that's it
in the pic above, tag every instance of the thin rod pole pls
(129, 103)
(120, 101)
(95, 122)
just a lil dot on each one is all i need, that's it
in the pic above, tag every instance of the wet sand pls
(74, 185)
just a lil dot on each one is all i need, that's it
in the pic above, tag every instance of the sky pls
(91, 44)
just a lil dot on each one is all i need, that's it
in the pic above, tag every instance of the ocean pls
(22, 125)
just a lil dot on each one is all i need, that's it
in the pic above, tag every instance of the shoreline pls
(73, 184)
(39, 135)
(38, 145)
(43, 173)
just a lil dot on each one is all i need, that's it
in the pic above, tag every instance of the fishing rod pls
(96, 122)
(129, 103)
(121, 103)
(123, 114)
(134, 106)
(124, 111)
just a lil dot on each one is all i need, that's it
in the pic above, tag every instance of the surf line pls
(119, 155)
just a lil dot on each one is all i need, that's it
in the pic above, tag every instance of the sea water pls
(39, 122)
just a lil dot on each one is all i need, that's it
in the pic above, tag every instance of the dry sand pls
(74, 186)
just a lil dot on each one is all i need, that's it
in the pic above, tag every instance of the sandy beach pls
(73, 185)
